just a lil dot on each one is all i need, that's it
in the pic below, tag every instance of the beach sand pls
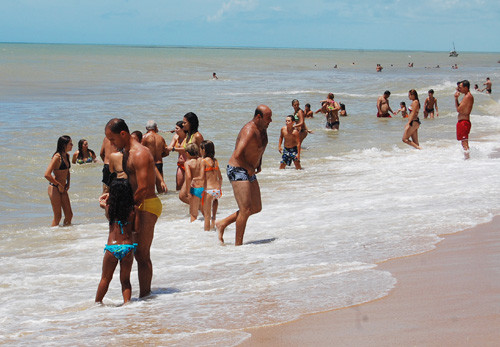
(449, 296)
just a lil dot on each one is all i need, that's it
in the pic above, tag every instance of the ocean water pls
(362, 198)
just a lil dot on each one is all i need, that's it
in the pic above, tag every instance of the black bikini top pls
(63, 165)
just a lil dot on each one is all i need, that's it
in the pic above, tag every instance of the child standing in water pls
(213, 184)
(119, 207)
(192, 190)
(402, 109)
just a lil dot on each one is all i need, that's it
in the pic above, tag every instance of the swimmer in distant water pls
(291, 152)
(379, 68)
(120, 248)
(430, 104)
(410, 135)
(402, 109)
(83, 154)
(214, 76)
(383, 107)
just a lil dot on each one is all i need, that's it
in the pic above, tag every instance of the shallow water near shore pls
(363, 196)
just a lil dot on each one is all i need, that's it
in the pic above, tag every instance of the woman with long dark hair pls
(58, 175)
(84, 154)
(190, 125)
(410, 135)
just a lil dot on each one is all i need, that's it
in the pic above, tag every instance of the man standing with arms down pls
(158, 148)
(464, 109)
(140, 168)
(242, 168)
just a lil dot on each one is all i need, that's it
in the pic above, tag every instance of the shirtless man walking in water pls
(140, 168)
(242, 168)
(464, 109)
(383, 107)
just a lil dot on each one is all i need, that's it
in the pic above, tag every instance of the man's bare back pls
(156, 144)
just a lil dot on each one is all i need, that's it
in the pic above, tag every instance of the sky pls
(421, 25)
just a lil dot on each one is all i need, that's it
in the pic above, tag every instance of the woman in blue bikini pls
(119, 207)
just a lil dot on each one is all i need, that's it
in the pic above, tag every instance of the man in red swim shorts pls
(464, 108)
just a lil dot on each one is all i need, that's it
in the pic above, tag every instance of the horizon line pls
(132, 45)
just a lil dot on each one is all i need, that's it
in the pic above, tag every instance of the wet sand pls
(449, 296)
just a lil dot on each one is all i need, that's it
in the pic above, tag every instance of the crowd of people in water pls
(133, 173)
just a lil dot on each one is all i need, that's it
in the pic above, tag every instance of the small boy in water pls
(429, 105)
(402, 109)
(291, 151)
(119, 206)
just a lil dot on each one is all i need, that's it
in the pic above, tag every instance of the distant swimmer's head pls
(342, 107)
(151, 125)
(193, 150)
(402, 104)
(387, 93)
(331, 96)
(289, 119)
(295, 102)
(431, 92)
(308, 106)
